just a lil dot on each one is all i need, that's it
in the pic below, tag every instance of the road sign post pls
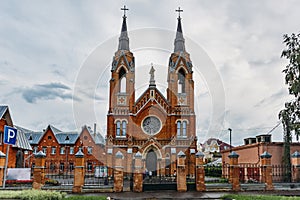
(10, 138)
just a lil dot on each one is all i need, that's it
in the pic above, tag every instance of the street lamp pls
(230, 138)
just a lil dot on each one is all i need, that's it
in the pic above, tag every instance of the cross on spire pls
(124, 9)
(179, 11)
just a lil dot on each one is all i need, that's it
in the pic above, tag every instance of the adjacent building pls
(16, 152)
(60, 148)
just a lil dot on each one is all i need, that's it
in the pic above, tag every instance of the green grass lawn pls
(257, 197)
(43, 195)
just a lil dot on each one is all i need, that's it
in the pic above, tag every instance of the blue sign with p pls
(10, 135)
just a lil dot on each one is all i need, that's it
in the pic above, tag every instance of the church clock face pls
(151, 125)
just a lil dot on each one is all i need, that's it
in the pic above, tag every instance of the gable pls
(5, 115)
(180, 60)
(86, 137)
(48, 137)
(144, 99)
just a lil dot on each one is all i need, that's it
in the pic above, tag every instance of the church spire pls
(179, 40)
(123, 39)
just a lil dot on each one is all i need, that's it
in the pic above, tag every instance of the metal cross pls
(179, 10)
(124, 9)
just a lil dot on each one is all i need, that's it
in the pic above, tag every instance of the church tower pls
(121, 94)
(180, 95)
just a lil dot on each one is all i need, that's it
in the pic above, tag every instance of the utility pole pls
(230, 139)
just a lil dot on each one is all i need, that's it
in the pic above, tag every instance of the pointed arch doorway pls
(151, 162)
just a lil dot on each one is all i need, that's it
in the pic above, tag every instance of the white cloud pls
(47, 43)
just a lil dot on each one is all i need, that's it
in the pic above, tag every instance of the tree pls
(290, 115)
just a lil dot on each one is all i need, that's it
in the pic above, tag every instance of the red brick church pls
(156, 126)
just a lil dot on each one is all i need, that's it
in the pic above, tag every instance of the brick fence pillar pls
(266, 170)
(295, 160)
(181, 173)
(39, 171)
(138, 173)
(118, 172)
(79, 172)
(200, 173)
(2, 166)
(234, 173)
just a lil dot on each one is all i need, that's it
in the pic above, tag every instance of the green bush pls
(32, 195)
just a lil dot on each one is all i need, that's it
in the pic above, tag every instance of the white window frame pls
(62, 151)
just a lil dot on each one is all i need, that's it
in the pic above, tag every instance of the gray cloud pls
(47, 91)
(272, 98)
(244, 40)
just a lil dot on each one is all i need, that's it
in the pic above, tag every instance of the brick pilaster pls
(181, 173)
(2, 166)
(234, 172)
(200, 173)
(266, 170)
(39, 171)
(79, 172)
(295, 161)
(118, 172)
(138, 173)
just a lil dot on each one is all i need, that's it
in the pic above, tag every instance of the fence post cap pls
(79, 154)
(233, 154)
(199, 154)
(296, 154)
(266, 155)
(181, 154)
(138, 155)
(2, 155)
(40, 154)
(119, 154)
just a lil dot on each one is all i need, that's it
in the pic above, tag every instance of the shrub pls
(41, 195)
(32, 195)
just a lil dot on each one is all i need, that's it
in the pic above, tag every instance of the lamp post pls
(230, 138)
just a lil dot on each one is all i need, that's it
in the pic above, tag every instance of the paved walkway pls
(161, 195)
(153, 195)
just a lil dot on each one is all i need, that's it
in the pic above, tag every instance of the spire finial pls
(152, 80)
(179, 40)
(124, 9)
(124, 40)
(179, 11)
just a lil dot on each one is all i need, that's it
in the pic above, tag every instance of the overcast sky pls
(56, 56)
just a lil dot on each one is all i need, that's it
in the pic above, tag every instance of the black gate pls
(151, 183)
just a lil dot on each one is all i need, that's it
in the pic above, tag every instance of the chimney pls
(95, 130)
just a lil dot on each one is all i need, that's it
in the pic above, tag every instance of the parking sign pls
(10, 135)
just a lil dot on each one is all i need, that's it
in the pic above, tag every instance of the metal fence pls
(250, 173)
(97, 175)
(57, 176)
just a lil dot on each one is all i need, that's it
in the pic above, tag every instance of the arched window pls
(121, 128)
(178, 128)
(184, 128)
(181, 128)
(124, 128)
(122, 80)
(181, 81)
(118, 128)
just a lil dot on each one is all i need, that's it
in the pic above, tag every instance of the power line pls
(274, 127)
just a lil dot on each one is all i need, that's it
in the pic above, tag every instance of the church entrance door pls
(151, 162)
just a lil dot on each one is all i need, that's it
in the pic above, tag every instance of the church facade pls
(156, 126)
